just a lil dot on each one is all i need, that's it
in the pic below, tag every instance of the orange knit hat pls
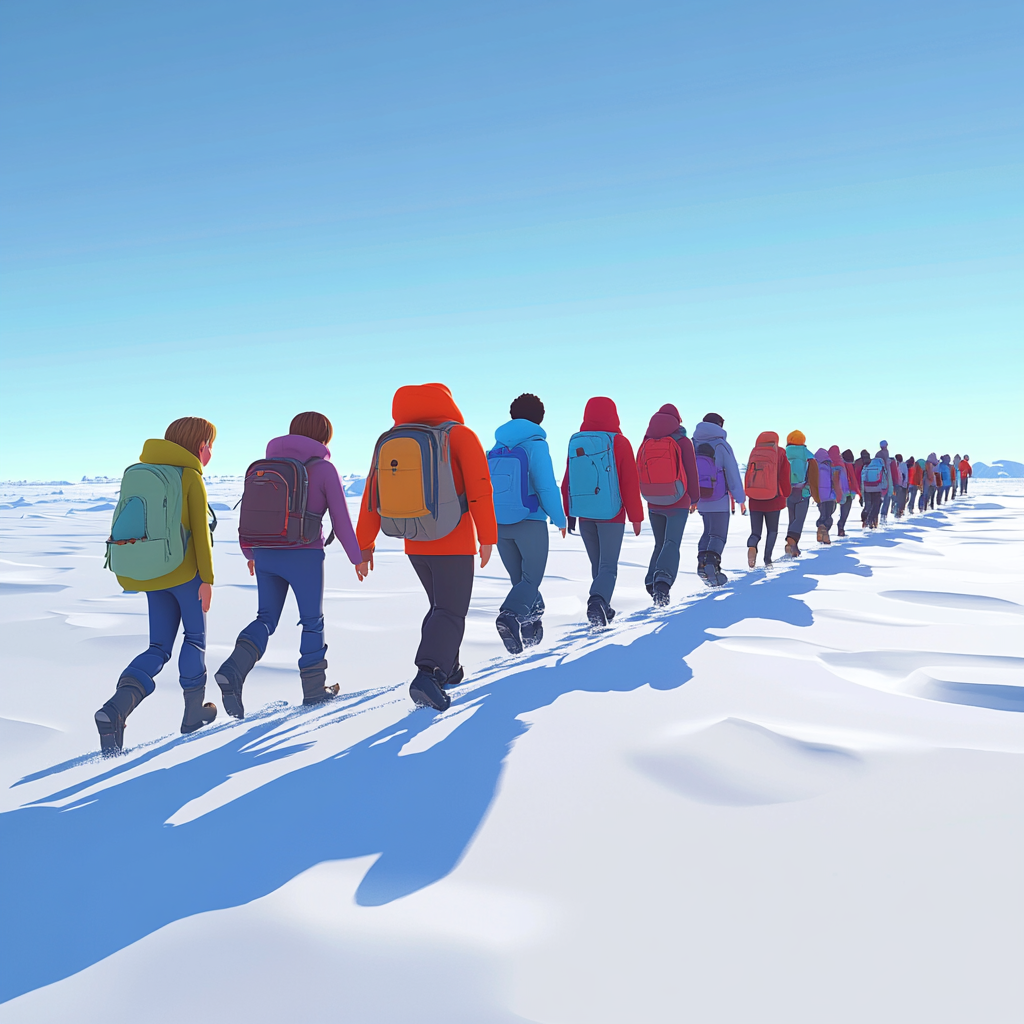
(796, 437)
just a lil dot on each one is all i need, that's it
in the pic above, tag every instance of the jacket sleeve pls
(340, 520)
(732, 475)
(368, 524)
(690, 465)
(629, 479)
(785, 484)
(542, 480)
(476, 478)
(812, 479)
(565, 487)
(202, 542)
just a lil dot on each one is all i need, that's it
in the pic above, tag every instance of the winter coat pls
(532, 439)
(797, 451)
(601, 414)
(914, 475)
(666, 422)
(194, 508)
(946, 471)
(325, 491)
(822, 491)
(965, 469)
(432, 404)
(844, 487)
(785, 485)
(714, 435)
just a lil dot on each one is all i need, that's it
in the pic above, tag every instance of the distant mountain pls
(353, 485)
(999, 468)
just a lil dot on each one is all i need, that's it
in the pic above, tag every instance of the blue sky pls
(796, 214)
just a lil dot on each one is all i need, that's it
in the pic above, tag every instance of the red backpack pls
(660, 467)
(762, 478)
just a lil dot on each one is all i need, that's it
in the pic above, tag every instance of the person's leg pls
(658, 523)
(192, 658)
(886, 502)
(592, 543)
(771, 520)
(526, 545)
(271, 590)
(844, 514)
(304, 571)
(796, 505)
(448, 581)
(667, 567)
(610, 544)
(718, 524)
(511, 557)
(756, 527)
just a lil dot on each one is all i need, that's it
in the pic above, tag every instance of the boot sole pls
(109, 745)
(231, 699)
(421, 700)
(513, 644)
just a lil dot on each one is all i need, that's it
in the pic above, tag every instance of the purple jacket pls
(325, 490)
(666, 422)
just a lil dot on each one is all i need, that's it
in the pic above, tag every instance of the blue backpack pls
(797, 468)
(872, 476)
(510, 478)
(593, 478)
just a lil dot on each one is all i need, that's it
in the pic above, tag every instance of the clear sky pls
(795, 214)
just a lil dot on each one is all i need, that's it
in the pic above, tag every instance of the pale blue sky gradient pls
(797, 214)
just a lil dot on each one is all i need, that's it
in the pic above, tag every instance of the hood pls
(517, 431)
(796, 437)
(921, 464)
(768, 437)
(601, 414)
(933, 459)
(848, 455)
(822, 454)
(665, 422)
(865, 454)
(424, 403)
(835, 455)
(945, 458)
(297, 446)
(158, 452)
(707, 432)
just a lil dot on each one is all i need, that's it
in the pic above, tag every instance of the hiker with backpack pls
(284, 499)
(823, 479)
(946, 474)
(160, 544)
(768, 486)
(933, 480)
(927, 482)
(899, 480)
(429, 483)
(965, 473)
(858, 467)
(852, 489)
(599, 489)
(876, 483)
(719, 478)
(667, 469)
(526, 496)
(799, 500)
(913, 483)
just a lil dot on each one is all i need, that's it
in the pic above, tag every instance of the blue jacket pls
(795, 452)
(714, 435)
(532, 439)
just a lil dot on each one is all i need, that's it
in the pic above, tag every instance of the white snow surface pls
(798, 799)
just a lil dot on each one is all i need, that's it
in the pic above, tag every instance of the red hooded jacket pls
(601, 414)
(778, 503)
(667, 422)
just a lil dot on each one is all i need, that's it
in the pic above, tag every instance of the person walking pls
(799, 456)
(966, 472)
(913, 482)
(767, 485)
(161, 544)
(526, 496)
(667, 470)
(599, 489)
(851, 489)
(946, 474)
(823, 480)
(956, 474)
(934, 481)
(297, 466)
(430, 483)
(876, 482)
(719, 479)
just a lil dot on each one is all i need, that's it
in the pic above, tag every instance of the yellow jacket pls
(199, 550)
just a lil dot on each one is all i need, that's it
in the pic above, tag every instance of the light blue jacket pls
(800, 451)
(532, 439)
(714, 435)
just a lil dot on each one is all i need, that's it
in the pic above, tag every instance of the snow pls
(796, 800)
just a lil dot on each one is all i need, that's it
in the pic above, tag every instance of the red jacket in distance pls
(778, 503)
(601, 414)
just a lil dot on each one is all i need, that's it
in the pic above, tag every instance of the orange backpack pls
(761, 481)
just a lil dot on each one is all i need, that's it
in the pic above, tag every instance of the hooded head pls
(921, 464)
(945, 458)
(835, 455)
(967, 458)
(848, 455)
(713, 417)
(883, 444)
(933, 459)
(865, 454)
(796, 437)
(821, 454)
(768, 437)
(664, 422)
(424, 403)
(911, 461)
(601, 414)
(899, 458)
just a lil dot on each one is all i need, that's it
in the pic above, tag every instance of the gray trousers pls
(668, 533)
(603, 542)
(797, 506)
(523, 548)
(826, 509)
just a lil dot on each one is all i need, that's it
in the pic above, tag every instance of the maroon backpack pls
(274, 513)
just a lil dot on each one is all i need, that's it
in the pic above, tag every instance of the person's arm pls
(476, 479)
(341, 522)
(367, 528)
(570, 520)
(812, 479)
(202, 542)
(732, 475)
(629, 481)
(690, 466)
(542, 479)
(785, 483)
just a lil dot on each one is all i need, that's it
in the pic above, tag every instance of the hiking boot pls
(231, 675)
(597, 612)
(531, 632)
(792, 548)
(840, 532)
(713, 569)
(111, 717)
(456, 676)
(661, 590)
(702, 567)
(509, 631)
(197, 714)
(427, 690)
(314, 678)
(751, 557)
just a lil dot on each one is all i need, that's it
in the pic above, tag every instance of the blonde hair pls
(191, 432)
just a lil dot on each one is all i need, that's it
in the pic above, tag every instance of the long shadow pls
(83, 881)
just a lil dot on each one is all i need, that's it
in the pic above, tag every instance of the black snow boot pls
(715, 576)
(197, 714)
(509, 631)
(532, 632)
(231, 675)
(456, 676)
(598, 612)
(111, 717)
(703, 567)
(314, 678)
(427, 689)
(661, 589)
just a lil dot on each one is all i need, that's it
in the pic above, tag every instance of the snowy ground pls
(798, 800)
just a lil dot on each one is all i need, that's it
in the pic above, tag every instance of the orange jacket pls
(914, 476)
(965, 468)
(433, 404)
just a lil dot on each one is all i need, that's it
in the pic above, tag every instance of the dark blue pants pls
(603, 541)
(872, 507)
(523, 548)
(826, 510)
(302, 569)
(768, 521)
(448, 581)
(168, 609)
(668, 530)
(844, 512)
(797, 505)
(716, 531)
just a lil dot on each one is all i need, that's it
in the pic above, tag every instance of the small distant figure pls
(799, 500)
(826, 489)
(913, 482)
(876, 483)
(719, 478)
(965, 473)
(852, 489)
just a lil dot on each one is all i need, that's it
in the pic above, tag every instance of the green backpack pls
(147, 539)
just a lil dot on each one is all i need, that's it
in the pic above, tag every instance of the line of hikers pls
(432, 484)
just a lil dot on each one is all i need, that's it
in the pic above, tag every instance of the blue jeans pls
(887, 499)
(603, 542)
(759, 520)
(911, 498)
(302, 569)
(797, 506)
(668, 533)
(523, 548)
(168, 609)
(716, 531)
